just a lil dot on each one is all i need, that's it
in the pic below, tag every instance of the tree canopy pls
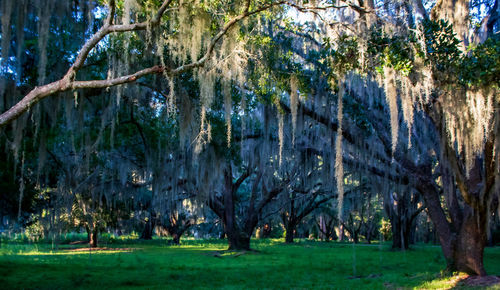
(169, 114)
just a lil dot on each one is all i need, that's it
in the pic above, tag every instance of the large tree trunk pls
(470, 243)
(463, 232)
(239, 237)
(463, 238)
(463, 248)
(401, 231)
(235, 238)
(238, 240)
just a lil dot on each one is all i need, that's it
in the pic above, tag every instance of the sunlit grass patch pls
(444, 281)
(82, 251)
(462, 281)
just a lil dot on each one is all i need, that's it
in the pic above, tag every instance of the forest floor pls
(206, 264)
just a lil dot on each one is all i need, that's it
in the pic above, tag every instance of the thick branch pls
(111, 15)
(67, 82)
(39, 93)
(117, 81)
(240, 180)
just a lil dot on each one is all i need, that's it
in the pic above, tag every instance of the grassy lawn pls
(204, 264)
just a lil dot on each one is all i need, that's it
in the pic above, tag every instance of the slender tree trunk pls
(341, 233)
(147, 233)
(266, 231)
(355, 237)
(176, 239)
(92, 237)
(322, 229)
(396, 232)
(369, 235)
(401, 231)
(290, 229)
(237, 240)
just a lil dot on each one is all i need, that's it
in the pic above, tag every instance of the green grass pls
(204, 264)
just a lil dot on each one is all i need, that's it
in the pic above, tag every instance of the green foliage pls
(481, 66)
(478, 67)
(386, 229)
(441, 46)
(441, 42)
(343, 55)
(391, 50)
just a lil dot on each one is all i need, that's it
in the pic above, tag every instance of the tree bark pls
(355, 237)
(266, 231)
(402, 210)
(92, 236)
(147, 233)
(176, 228)
(290, 229)
(400, 234)
(176, 239)
(238, 236)
(462, 249)
(296, 213)
(289, 220)
(471, 240)
(403, 228)
(238, 240)
(341, 233)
